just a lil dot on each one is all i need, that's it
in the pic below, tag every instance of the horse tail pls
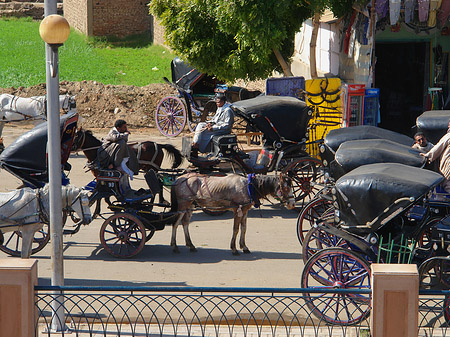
(173, 200)
(173, 153)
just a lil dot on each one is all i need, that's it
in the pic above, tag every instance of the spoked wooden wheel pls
(337, 268)
(307, 176)
(315, 209)
(434, 273)
(12, 244)
(123, 235)
(170, 116)
(317, 239)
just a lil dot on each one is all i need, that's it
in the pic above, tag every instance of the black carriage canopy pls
(433, 124)
(279, 118)
(355, 153)
(27, 155)
(338, 136)
(366, 192)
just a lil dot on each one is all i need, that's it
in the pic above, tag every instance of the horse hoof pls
(236, 253)
(246, 251)
(193, 250)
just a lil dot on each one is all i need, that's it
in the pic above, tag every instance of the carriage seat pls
(224, 145)
(113, 182)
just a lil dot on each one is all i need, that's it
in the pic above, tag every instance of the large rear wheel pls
(309, 215)
(170, 116)
(337, 268)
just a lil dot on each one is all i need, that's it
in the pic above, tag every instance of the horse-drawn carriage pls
(383, 213)
(26, 159)
(283, 122)
(195, 99)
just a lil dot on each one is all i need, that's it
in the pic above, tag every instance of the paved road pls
(275, 260)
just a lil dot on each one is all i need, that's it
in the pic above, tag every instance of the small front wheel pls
(307, 176)
(170, 116)
(123, 235)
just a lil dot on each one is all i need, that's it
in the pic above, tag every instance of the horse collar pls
(252, 190)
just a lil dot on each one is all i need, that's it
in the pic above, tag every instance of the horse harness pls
(25, 116)
(150, 162)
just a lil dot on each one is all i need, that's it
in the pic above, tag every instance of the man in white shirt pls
(221, 124)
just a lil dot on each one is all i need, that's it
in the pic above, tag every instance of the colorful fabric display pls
(394, 11)
(381, 7)
(434, 6)
(424, 7)
(409, 10)
(444, 12)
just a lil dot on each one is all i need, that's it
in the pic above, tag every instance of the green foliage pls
(130, 61)
(231, 38)
(236, 38)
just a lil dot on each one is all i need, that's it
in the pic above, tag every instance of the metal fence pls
(434, 313)
(174, 311)
(148, 311)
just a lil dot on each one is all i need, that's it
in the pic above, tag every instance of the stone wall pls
(78, 13)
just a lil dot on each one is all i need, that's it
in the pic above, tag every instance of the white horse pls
(26, 210)
(16, 109)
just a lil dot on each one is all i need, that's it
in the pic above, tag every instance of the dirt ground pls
(100, 105)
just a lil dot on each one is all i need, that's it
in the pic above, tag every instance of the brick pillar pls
(395, 300)
(17, 311)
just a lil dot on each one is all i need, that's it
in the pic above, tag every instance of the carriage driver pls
(114, 152)
(221, 124)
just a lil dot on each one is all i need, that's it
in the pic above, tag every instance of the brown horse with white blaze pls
(231, 192)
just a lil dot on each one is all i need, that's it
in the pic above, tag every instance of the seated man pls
(221, 124)
(114, 152)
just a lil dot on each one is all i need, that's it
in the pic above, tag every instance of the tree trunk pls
(283, 63)
(312, 45)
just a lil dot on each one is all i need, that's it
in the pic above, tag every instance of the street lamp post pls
(54, 30)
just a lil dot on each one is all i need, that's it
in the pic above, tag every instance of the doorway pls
(402, 75)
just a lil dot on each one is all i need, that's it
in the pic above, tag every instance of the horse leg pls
(173, 240)
(237, 221)
(243, 230)
(27, 239)
(187, 237)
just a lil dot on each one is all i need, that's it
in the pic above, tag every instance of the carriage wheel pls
(307, 176)
(447, 309)
(337, 268)
(310, 214)
(424, 247)
(123, 235)
(434, 273)
(12, 244)
(170, 116)
(200, 116)
(317, 239)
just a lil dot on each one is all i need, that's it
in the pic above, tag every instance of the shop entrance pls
(402, 75)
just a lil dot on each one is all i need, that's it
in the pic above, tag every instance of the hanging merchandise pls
(394, 11)
(424, 7)
(409, 10)
(381, 7)
(434, 6)
(444, 12)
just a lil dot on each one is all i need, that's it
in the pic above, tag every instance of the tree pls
(235, 38)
